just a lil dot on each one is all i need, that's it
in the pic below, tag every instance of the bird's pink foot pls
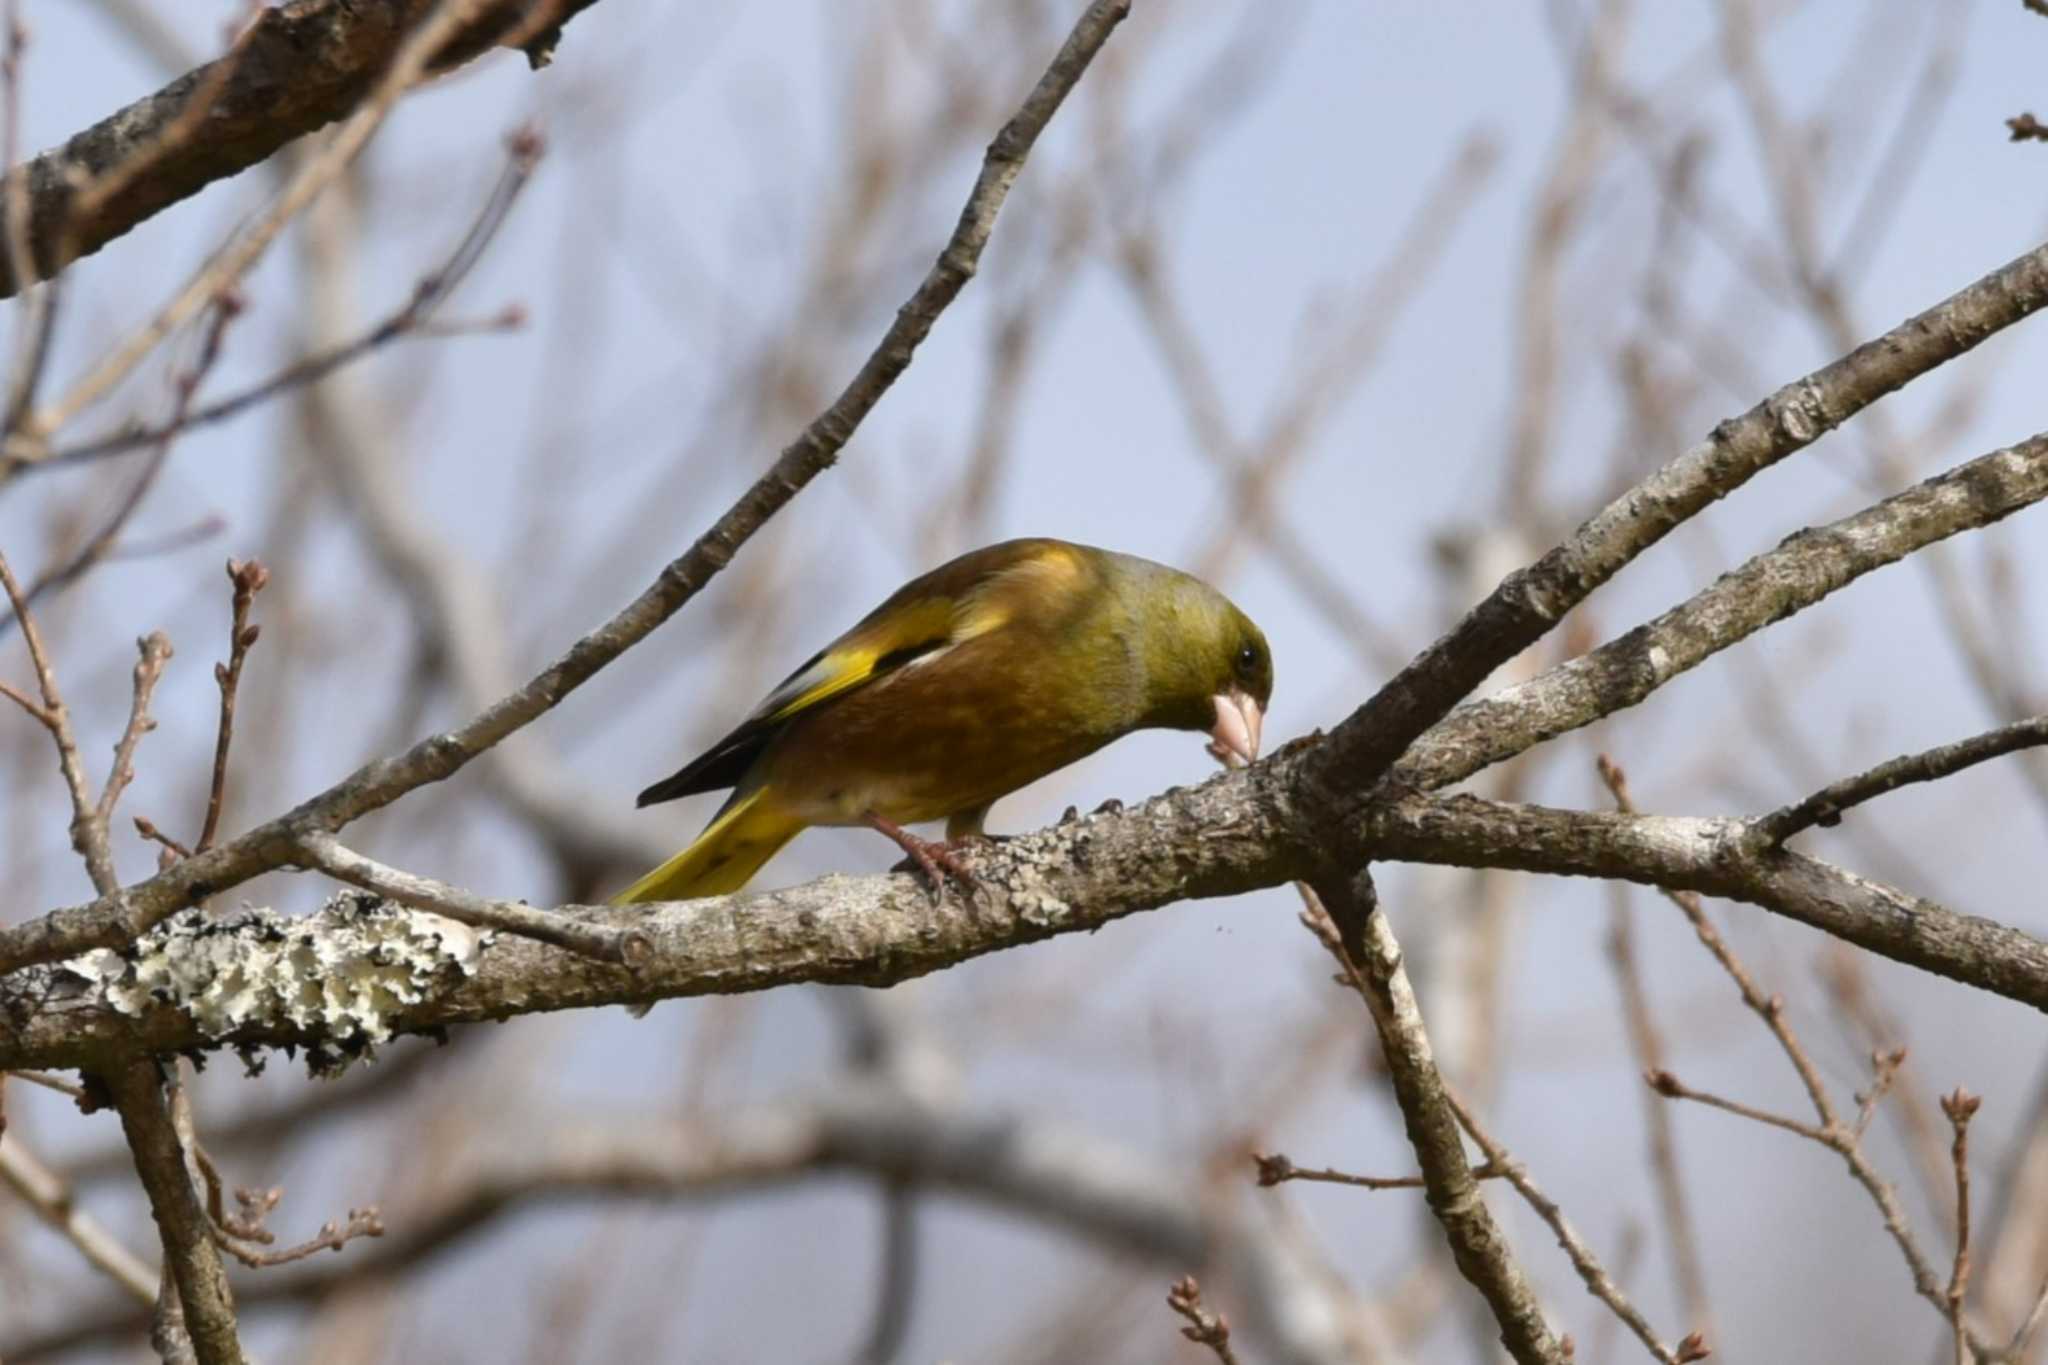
(936, 859)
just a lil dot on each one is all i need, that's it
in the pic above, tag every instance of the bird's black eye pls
(1247, 659)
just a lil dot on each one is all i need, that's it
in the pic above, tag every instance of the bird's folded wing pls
(970, 597)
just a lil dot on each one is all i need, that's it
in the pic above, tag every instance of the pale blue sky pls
(668, 230)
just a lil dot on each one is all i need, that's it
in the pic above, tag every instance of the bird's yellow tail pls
(744, 835)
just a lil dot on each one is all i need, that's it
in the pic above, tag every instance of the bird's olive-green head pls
(1206, 665)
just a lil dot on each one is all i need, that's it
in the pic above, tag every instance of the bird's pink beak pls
(1235, 739)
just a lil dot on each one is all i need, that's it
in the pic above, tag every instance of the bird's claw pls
(937, 859)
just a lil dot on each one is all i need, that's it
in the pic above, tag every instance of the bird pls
(972, 681)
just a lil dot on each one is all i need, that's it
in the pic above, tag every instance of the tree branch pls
(1803, 570)
(1480, 1249)
(594, 941)
(294, 70)
(198, 983)
(118, 917)
(1059, 1176)
(1531, 601)
(189, 1251)
(1825, 806)
(54, 1201)
(88, 832)
(1717, 857)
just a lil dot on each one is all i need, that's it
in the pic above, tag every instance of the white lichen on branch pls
(341, 974)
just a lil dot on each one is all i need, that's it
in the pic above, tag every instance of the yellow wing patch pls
(900, 631)
(855, 656)
(1053, 573)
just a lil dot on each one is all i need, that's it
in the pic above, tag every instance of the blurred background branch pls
(1356, 313)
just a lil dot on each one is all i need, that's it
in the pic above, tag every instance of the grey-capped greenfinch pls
(970, 682)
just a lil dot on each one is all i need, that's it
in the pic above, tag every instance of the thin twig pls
(1599, 1283)
(606, 944)
(1825, 807)
(2023, 1335)
(65, 933)
(1885, 1064)
(1769, 1008)
(1647, 1042)
(1275, 1168)
(227, 307)
(1204, 1327)
(27, 703)
(248, 578)
(245, 1237)
(1960, 1106)
(153, 651)
(36, 323)
(1831, 1132)
(48, 1082)
(53, 1200)
(171, 847)
(414, 319)
(1671, 1088)
(88, 836)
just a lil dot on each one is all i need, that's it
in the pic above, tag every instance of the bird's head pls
(1207, 666)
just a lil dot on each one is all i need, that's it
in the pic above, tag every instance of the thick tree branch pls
(1732, 859)
(413, 973)
(297, 68)
(1452, 1189)
(1804, 569)
(1531, 601)
(119, 917)
(1061, 1177)
(190, 1254)
(1238, 832)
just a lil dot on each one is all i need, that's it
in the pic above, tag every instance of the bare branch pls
(1235, 833)
(1372, 958)
(1275, 1169)
(410, 64)
(248, 579)
(1204, 1327)
(294, 70)
(1531, 601)
(154, 651)
(1825, 807)
(117, 918)
(44, 1191)
(1711, 857)
(1041, 1170)
(1960, 1106)
(1808, 567)
(597, 942)
(101, 543)
(88, 834)
(189, 1251)
(414, 318)
(1599, 1283)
